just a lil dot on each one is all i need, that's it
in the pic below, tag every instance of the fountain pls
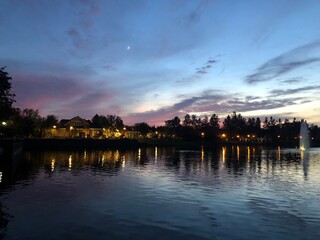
(304, 137)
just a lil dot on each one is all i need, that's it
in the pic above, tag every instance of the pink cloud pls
(73, 32)
(110, 68)
(60, 96)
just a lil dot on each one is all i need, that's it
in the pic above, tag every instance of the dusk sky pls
(154, 60)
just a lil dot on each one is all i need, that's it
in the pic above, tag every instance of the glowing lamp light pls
(223, 135)
(71, 127)
(54, 127)
(4, 123)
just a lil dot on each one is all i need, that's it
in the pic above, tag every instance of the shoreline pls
(7, 145)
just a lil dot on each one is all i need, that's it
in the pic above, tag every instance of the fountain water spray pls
(304, 137)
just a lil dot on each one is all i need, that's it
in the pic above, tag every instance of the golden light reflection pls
(123, 162)
(139, 154)
(238, 152)
(223, 154)
(202, 153)
(249, 154)
(103, 157)
(53, 161)
(279, 153)
(85, 155)
(155, 154)
(302, 154)
(70, 162)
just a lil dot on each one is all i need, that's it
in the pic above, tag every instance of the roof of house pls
(76, 122)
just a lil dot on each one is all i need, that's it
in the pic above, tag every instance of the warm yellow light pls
(253, 136)
(70, 162)
(278, 136)
(71, 127)
(202, 134)
(4, 123)
(54, 126)
(238, 136)
(223, 135)
(124, 129)
(248, 135)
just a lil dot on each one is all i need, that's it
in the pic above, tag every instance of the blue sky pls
(154, 60)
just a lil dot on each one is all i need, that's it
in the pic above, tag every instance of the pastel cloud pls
(199, 71)
(210, 102)
(58, 95)
(281, 92)
(296, 58)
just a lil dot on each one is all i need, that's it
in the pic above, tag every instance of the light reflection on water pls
(235, 192)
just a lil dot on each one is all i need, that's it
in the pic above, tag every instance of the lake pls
(229, 192)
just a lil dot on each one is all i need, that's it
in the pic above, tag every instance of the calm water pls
(162, 193)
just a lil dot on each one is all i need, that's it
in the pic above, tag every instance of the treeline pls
(28, 123)
(235, 128)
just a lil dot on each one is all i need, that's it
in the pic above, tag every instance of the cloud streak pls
(296, 58)
(208, 103)
(199, 72)
(277, 93)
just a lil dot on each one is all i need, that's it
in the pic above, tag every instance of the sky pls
(152, 60)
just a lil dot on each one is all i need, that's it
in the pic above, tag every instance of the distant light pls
(4, 123)
(278, 136)
(124, 129)
(223, 135)
(54, 126)
(71, 127)
(128, 48)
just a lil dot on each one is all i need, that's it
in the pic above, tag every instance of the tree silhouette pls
(49, 121)
(142, 127)
(6, 97)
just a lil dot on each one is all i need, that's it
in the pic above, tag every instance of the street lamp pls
(4, 123)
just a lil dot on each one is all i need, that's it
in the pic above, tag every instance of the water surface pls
(162, 193)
